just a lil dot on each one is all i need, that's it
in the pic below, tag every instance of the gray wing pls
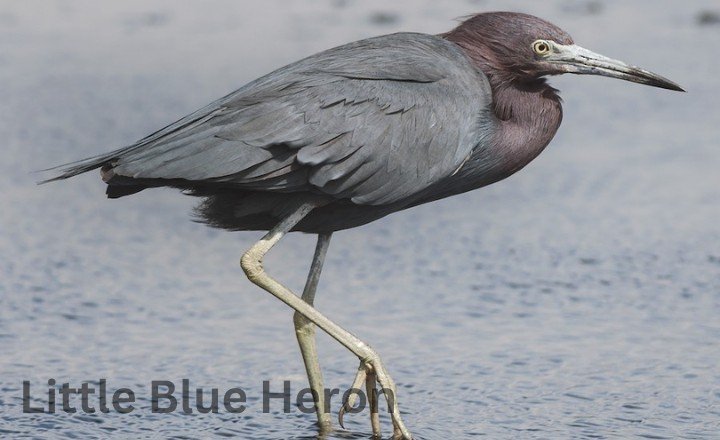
(373, 121)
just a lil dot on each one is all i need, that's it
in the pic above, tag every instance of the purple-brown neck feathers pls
(528, 110)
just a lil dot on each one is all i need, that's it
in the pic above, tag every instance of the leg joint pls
(371, 358)
(303, 325)
(251, 265)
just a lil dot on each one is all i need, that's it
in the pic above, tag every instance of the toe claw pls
(341, 414)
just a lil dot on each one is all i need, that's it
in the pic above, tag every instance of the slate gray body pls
(370, 128)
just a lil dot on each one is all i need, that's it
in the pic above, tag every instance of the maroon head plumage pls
(515, 47)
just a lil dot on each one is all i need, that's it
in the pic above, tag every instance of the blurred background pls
(577, 299)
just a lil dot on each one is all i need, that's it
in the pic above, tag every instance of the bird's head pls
(520, 47)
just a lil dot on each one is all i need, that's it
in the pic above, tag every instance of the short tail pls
(79, 167)
(118, 186)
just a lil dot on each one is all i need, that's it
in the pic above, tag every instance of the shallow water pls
(578, 299)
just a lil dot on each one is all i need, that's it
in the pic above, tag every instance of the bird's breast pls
(530, 121)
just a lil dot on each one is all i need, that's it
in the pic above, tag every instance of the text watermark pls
(165, 397)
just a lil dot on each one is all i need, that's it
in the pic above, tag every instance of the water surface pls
(578, 299)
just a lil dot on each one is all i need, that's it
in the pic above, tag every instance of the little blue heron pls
(354, 133)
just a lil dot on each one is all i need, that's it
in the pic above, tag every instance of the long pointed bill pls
(576, 59)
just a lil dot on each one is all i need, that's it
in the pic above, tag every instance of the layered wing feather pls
(373, 121)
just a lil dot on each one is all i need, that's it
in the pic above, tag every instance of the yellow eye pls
(541, 47)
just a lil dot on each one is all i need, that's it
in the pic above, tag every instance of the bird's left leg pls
(305, 333)
(251, 263)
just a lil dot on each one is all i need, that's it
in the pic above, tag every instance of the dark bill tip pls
(652, 79)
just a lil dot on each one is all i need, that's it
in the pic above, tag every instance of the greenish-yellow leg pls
(251, 263)
(305, 332)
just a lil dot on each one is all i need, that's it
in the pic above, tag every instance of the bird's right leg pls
(305, 333)
(251, 263)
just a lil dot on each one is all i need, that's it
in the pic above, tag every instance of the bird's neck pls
(529, 115)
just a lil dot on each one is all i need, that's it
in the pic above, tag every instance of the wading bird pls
(354, 133)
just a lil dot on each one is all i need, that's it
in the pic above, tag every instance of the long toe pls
(389, 390)
(370, 372)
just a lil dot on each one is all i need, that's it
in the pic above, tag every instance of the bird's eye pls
(541, 47)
